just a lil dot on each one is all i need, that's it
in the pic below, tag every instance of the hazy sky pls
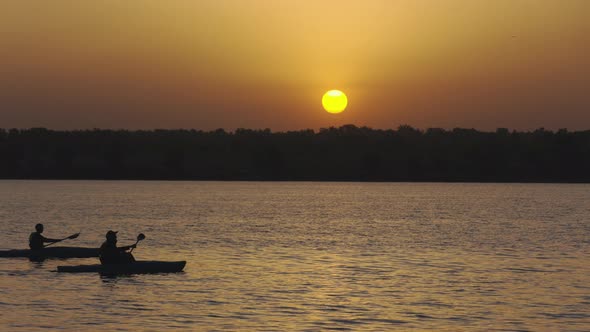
(206, 64)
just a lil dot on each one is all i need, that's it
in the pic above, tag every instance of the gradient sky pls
(206, 64)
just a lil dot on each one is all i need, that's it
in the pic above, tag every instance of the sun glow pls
(334, 101)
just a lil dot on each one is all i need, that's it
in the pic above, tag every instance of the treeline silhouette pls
(347, 153)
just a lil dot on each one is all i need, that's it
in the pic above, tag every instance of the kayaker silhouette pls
(109, 253)
(36, 240)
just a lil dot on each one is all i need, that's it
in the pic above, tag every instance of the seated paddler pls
(37, 240)
(109, 253)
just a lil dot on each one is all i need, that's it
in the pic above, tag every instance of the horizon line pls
(319, 130)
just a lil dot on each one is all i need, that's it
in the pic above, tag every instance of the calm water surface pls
(305, 256)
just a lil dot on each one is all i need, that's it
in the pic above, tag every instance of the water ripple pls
(306, 257)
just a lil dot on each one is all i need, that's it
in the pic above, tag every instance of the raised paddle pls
(73, 236)
(140, 237)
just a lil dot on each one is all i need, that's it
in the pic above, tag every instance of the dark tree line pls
(348, 153)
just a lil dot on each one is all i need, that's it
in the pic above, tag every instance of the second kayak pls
(131, 268)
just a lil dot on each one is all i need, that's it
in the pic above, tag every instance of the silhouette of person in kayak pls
(109, 253)
(36, 240)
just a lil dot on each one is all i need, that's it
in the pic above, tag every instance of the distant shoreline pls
(344, 154)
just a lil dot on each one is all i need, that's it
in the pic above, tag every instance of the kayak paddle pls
(73, 236)
(140, 237)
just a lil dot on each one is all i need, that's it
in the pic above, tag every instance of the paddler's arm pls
(125, 248)
(48, 240)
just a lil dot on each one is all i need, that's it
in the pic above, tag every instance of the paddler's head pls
(39, 228)
(111, 236)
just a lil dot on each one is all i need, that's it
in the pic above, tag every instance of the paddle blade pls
(74, 236)
(140, 237)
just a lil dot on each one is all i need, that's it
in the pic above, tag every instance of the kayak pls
(131, 268)
(53, 252)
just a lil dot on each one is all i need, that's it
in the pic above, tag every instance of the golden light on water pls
(334, 101)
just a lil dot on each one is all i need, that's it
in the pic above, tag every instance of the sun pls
(334, 101)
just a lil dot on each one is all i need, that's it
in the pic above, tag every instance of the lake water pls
(305, 256)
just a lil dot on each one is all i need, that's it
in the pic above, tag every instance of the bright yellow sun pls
(334, 101)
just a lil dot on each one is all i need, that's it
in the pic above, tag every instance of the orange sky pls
(206, 64)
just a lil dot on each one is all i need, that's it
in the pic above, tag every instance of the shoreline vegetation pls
(346, 153)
